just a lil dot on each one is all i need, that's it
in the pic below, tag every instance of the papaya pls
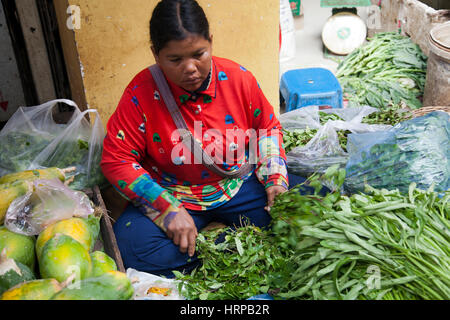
(41, 289)
(63, 256)
(43, 174)
(112, 285)
(102, 263)
(77, 228)
(18, 247)
(13, 273)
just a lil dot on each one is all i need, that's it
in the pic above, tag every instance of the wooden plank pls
(109, 239)
(37, 49)
(21, 54)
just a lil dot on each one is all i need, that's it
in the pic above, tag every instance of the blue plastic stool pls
(311, 87)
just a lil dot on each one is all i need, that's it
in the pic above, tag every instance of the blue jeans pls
(145, 247)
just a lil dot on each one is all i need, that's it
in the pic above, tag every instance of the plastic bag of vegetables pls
(27, 133)
(48, 201)
(320, 144)
(80, 145)
(32, 139)
(416, 150)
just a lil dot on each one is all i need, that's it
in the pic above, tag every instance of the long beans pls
(380, 244)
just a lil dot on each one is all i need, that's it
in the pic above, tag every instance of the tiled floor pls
(308, 38)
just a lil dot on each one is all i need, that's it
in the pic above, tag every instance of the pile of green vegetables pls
(375, 245)
(236, 268)
(391, 115)
(389, 70)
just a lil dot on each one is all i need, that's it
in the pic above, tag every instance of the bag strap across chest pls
(186, 135)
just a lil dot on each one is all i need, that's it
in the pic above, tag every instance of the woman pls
(172, 195)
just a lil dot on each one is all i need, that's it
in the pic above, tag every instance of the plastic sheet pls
(150, 287)
(49, 202)
(414, 151)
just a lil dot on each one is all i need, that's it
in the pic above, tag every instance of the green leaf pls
(239, 246)
(204, 296)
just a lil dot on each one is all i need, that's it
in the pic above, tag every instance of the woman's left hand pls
(272, 192)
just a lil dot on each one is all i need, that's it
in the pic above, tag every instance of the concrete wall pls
(112, 44)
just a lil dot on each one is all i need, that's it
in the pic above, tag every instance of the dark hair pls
(174, 20)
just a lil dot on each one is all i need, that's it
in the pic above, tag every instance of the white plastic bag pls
(49, 202)
(150, 287)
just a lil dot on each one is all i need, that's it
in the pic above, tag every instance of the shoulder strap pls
(186, 136)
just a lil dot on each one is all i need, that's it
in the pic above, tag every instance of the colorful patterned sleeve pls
(124, 147)
(271, 169)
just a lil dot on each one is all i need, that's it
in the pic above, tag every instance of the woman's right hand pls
(183, 232)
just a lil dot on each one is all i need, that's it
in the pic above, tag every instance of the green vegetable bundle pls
(389, 70)
(378, 245)
(237, 268)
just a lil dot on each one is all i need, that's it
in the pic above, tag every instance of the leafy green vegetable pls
(389, 70)
(18, 150)
(375, 245)
(381, 244)
(237, 268)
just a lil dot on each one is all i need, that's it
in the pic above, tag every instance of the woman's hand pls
(183, 232)
(272, 192)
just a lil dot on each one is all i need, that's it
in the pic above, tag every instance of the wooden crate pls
(107, 240)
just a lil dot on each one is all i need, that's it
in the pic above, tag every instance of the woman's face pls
(186, 62)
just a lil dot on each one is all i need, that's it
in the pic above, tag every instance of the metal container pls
(437, 87)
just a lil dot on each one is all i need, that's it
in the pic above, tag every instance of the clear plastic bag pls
(27, 133)
(49, 202)
(80, 145)
(150, 287)
(33, 140)
(307, 117)
(324, 149)
(414, 151)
